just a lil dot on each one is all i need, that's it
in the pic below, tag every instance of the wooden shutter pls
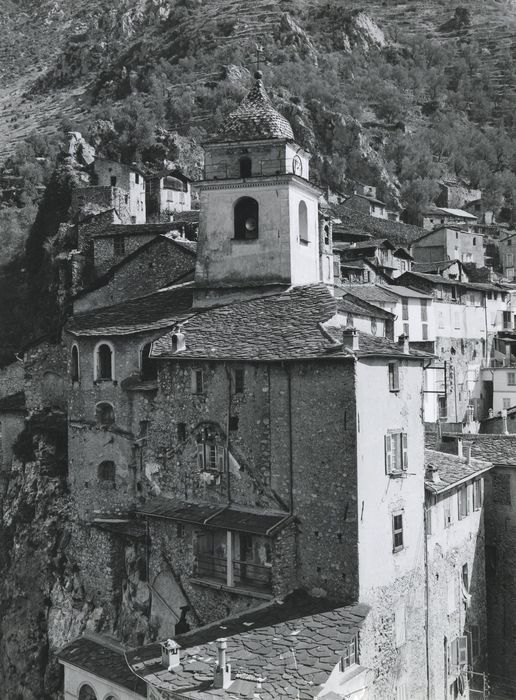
(388, 454)
(462, 645)
(404, 457)
(200, 455)
(454, 654)
(221, 458)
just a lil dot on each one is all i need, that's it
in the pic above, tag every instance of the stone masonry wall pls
(157, 265)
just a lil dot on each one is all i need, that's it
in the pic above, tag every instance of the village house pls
(434, 217)
(507, 252)
(364, 199)
(450, 243)
(127, 178)
(389, 259)
(456, 585)
(456, 194)
(499, 372)
(468, 317)
(167, 192)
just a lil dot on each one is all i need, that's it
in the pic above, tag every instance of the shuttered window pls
(396, 453)
(394, 376)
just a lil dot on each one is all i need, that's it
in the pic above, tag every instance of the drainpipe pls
(226, 455)
(290, 441)
(427, 616)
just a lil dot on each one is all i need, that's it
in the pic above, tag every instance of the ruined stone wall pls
(11, 379)
(156, 266)
(45, 381)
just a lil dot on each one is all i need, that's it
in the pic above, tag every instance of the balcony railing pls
(245, 574)
(495, 363)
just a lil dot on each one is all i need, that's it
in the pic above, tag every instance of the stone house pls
(155, 264)
(367, 203)
(468, 317)
(456, 193)
(443, 216)
(507, 252)
(456, 586)
(167, 192)
(450, 243)
(129, 179)
(391, 260)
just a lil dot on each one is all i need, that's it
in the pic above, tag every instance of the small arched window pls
(87, 693)
(246, 167)
(303, 222)
(104, 414)
(326, 234)
(74, 369)
(149, 368)
(104, 362)
(246, 218)
(107, 471)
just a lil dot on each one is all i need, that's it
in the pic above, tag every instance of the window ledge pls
(303, 242)
(217, 585)
(244, 240)
(398, 475)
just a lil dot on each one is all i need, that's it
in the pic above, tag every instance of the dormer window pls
(246, 167)
(246, 219)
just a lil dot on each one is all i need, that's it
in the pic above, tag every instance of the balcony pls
(234, 573)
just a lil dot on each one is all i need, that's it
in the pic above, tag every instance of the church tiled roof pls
(255, 119)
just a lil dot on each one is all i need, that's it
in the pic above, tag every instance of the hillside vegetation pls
(397, 96)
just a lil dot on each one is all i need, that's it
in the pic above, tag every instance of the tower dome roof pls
(255, 119)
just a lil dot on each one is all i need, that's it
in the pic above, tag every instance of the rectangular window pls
(350, 657)
(239, 381)
(397, 532)
(511, 378)
(181, 432)
(506, 319)
(509, 259)
(475, 642)
(396, 456)
(180, 530)
(465, 577)
(477, 494)
(394, 376)
(454, 293)
(119, 246)
(424, 310)
(462, 496)
(233, 423)
(447, 512)
(506, 403)
(113, 180)
(197, 381)
(404, 310)
(137, 178)
(211, 456)
(424, 331)
(406, 330)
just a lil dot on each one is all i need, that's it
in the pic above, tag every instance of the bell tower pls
(259, 221)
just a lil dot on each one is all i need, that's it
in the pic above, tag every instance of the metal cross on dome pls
(259, 51)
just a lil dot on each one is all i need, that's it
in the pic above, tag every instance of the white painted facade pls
(75, 678)
(109, 173)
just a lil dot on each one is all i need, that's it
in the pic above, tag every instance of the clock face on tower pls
(297, 165)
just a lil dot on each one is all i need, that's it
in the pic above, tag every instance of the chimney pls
(432, 474)
(505, 427)
(350, 338)
(404, 344)
(468, 453)
(222, 675)
(460, 451)
(170, 654)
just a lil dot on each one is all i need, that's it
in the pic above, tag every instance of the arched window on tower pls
(104, 364)
(246, 219)
(74, 369)
(87, 693)
(303, 222)
(246, 167)
(149, 368)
